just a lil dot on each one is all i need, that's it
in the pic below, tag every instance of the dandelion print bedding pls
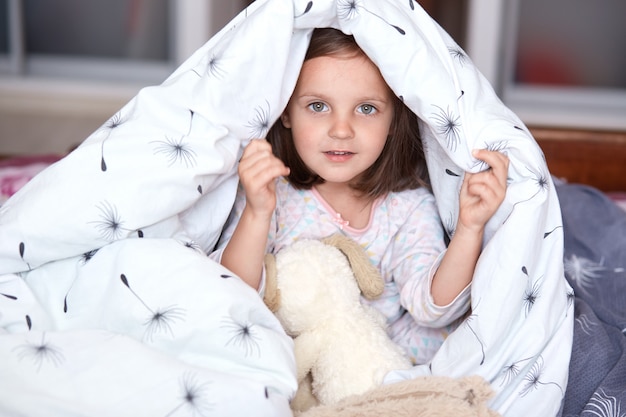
(109, 304)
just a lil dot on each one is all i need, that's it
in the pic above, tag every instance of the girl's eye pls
(318, 106)
(367, 109)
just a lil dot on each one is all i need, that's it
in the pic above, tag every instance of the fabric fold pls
(163, 169)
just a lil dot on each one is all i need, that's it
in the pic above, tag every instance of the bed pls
(110, 306)
(590, 167)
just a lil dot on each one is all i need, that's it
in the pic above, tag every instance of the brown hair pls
(401, 164)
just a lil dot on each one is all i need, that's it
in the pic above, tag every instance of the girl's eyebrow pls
(375, 98)
(363, 99)
(311, 95)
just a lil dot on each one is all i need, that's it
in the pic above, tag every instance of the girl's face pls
(339, 115)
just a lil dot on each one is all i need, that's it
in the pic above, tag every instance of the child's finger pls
(481, 190)
(258, 159)
(259, 166)
(262, 171)
(255, 151)
(497, 161)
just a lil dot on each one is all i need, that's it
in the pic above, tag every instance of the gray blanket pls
(595, 266)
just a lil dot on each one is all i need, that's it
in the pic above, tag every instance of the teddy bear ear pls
(367, 276)
(272, 293)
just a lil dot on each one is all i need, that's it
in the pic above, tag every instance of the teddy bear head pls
(312, 280)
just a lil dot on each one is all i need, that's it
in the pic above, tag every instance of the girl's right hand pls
(483, 192)
(258, 170)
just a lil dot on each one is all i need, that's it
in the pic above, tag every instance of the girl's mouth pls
(339, 156)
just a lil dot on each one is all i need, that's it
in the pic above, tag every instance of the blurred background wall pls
(67, 65)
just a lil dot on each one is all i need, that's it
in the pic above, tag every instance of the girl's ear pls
(284, 119)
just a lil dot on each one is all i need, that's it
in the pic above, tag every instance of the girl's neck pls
(353, 207)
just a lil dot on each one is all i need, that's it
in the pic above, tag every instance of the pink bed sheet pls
(17, 171)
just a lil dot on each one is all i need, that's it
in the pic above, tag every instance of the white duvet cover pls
(110, 306)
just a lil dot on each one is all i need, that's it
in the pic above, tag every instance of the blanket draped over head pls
(110, 306)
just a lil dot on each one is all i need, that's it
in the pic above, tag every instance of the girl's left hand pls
(483, 192)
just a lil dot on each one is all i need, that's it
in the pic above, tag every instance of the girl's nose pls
(341, 128)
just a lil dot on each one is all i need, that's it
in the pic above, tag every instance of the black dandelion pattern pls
(67, 294)
(451, 173)
(22, 251)
(161, 320)
(500, 146)
(87, 256)
(260, 124)
(244, 336)
(109, 126)
(194, 399)
(40, 353)
(548, 233)
(191, 116)
(176, 151)
(192, 245)
(447, 124)
(348, 9)
(307, 9)
(110, 223)
(114, 122)
(571, 297)
(214, 67)
(540, 179)
(533, 379)
(467, 323)
(458, 54)
(531, 295)
(83, 260)
(541, 183)
(511, 371)
(268, 391)
(65, 300)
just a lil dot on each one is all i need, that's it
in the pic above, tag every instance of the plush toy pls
(341, 345)
(427, 396)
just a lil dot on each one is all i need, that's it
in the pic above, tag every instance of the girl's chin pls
(338, 180)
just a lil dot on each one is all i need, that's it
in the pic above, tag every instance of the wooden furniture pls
(596, 158)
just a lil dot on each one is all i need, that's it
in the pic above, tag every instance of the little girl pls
(346, 157)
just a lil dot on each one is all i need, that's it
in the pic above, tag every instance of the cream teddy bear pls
(341, 345)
